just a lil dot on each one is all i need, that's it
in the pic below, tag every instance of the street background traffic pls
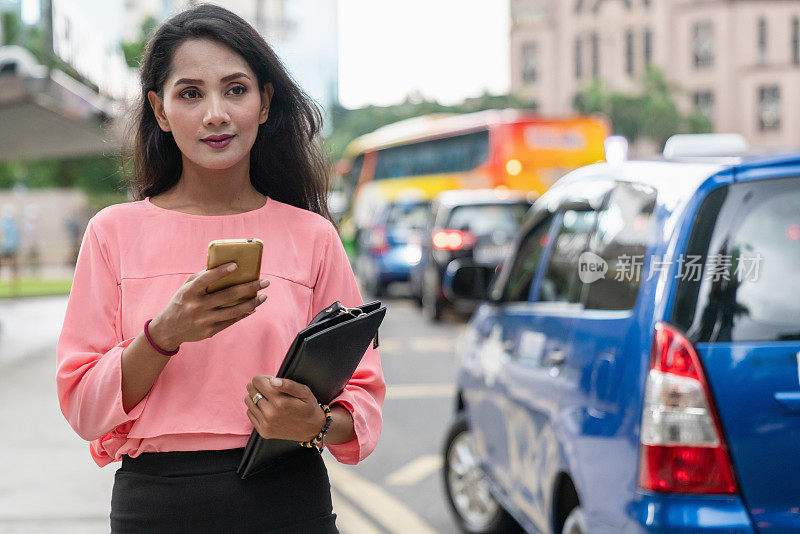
(420, 101)
(51, 484)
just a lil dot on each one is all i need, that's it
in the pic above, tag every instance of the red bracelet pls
(160, 350)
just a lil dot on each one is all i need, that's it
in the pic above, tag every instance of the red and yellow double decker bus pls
(509, 148)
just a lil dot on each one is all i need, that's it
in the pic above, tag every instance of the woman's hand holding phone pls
(194, 315)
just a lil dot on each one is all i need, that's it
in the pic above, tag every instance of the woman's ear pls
(158, 110)
(266, 98)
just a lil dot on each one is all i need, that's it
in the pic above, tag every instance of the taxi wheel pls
(474, 507)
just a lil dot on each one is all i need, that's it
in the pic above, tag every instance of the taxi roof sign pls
(698, 145)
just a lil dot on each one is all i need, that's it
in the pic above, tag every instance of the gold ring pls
(257, 397)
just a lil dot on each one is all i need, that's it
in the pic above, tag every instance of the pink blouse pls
(133, 258)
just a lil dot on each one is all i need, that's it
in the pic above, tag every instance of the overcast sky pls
(444, 49)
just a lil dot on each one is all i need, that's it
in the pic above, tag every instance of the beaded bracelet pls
(317, 441)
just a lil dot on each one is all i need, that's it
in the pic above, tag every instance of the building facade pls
(267, 16)
(735, 61)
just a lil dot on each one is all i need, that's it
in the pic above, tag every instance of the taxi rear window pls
(746, 239)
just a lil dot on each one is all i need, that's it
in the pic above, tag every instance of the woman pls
(151, 370)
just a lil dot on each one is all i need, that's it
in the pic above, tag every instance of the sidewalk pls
(30, 326)
(49, 483)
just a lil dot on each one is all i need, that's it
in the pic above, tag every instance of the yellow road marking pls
(416, 470)
(349, 520)
(392, 514)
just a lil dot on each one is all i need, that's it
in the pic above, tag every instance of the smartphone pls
(246, 253)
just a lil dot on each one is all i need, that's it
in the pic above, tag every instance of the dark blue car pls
(390, 247)
(636, 364)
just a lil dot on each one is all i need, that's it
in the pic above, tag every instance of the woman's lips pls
(218, 144)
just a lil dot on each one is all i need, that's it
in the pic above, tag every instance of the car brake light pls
(453, 239)
(682, 446)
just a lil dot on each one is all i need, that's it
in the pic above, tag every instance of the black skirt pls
(200, 491)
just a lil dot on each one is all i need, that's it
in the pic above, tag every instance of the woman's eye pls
(191, 94)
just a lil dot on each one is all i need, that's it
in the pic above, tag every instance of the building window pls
(595, 55)
(704, 104)
(769, 108)
(648, 47)
(762, 40)
(796, 41)
(703, 44)
(629, 52)
(530, 62)
(578, 57)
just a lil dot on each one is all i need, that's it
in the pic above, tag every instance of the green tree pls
(14, 32)
(592, 99)
(11, 28)
(8, 175)
(698, 123)
(651, 113)
(134, 50)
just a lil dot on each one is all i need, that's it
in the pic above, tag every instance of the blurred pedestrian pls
(152, 369)
(29, 249)
(75, 231)
(9, 242)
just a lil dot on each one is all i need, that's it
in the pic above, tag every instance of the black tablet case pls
(323, 356)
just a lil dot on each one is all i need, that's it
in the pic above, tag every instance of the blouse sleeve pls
(364, 393)
(89, 372)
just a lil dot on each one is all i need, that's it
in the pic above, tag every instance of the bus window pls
(457, 153)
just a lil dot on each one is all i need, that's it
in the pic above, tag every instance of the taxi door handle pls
(555, 358)
(790, 399)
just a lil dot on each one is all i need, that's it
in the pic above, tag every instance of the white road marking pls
(420, 391)
(349, 520)
(392, 514)
(415, 471)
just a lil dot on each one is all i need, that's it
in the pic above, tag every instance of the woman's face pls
(210, 92)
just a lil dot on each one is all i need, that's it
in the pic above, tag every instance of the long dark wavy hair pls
(286, 162)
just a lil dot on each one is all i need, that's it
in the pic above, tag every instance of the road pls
(50, 484)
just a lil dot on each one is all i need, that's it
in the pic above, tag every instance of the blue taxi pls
(635, 364)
